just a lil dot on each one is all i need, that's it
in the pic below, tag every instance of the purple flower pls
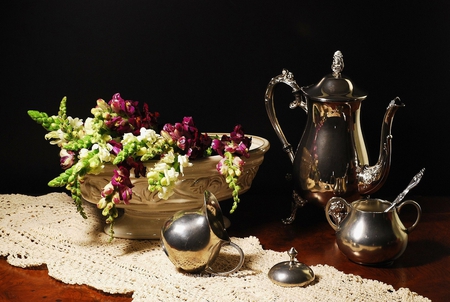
(128, 118)
(218, 146)
(242, 149)
(238, 137)
(238, 162)
(126, 193)
(116, 147)
(201, 143)
(187, 137)
(121, 177)
(147, 119)
(138, 166)
(222, 167)
(188, 125)
(237, 134)
(116, 198)
(67, 158)
(108, 190)
(121, 181)
(117, 103)
(130, 107)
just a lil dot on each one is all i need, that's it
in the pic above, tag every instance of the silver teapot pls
(369, 231)
(193, 239)
(331, 158)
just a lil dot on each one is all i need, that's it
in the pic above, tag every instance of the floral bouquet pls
(122, 134)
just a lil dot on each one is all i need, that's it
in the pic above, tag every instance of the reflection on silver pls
(414, 182)
(368, 234)
(192, 239)
(291, 273)
(331, 158)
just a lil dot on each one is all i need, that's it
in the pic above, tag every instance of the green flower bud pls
(102, 203)
(105, 211)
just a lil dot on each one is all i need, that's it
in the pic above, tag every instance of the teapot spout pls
(372, 178)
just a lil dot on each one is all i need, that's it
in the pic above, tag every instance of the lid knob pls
(338, 64)
(335, 87)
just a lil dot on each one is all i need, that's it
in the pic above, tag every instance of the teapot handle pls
(419, 213)
(287, 78)
(210, 270)
(335, 208)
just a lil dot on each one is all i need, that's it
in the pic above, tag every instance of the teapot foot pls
(298, 203)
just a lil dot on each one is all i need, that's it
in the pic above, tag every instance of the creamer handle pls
(419, 213)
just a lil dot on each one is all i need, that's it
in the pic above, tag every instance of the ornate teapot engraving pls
(331, 158)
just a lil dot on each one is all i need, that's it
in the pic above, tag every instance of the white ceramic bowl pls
(144, 216)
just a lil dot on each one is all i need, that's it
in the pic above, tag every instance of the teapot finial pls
(338, 64)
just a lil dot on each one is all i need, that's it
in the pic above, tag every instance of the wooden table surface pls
(423, 268)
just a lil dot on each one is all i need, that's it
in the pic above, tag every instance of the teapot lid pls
(291, 273)
(335, 86)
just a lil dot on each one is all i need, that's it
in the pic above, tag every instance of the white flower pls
(165, 193)
(152, 174)
(166, 182)
(184, 162)
(141, 151)
(169, 157)
(89, 128)
(83, 153)
(170, 175)
(56, 137)
(128, 138)
(160, 167)
(103, 152)
(106, 138)
(75, 123)
(147, 135)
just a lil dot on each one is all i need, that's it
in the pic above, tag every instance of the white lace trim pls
(47, 230)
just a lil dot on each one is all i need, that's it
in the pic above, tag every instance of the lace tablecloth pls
(47, 230)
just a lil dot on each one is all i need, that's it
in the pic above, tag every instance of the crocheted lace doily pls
(47, 230)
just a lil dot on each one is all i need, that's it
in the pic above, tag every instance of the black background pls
(213, 60)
